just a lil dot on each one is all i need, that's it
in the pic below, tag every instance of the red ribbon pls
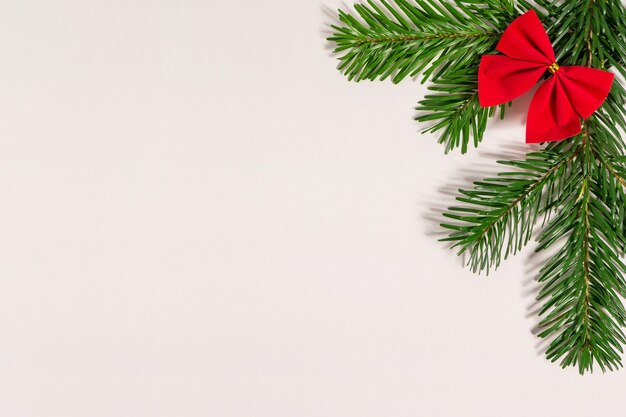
(570, 93)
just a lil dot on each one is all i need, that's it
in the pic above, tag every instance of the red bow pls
(559, 103)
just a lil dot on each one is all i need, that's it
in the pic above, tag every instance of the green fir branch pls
(590, 33)
(455, 110)
(497, 218)
(403, 38)
(583, 282)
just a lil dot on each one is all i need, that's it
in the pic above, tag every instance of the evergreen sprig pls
(582, 26)
(408, 37)
(437, 38)
(583, 282)
(455, 110)
(443, 40)
(585, 189)
(498, 216)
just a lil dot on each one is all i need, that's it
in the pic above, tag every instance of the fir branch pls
(498, 216)
(407, 37)
(590, 33)
(583, 281)
(456, 111)
(442, 40)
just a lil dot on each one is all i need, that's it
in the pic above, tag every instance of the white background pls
(200, 216)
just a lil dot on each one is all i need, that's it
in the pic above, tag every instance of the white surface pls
(201, 217)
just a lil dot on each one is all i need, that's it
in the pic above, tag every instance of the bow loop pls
(525, 39)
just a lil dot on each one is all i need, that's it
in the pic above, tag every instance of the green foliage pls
(407, 37)
(455, 111)
(439, 39)
(498, 216)
(583, 186)
(574, 191)
(583, 282)
(584, 25)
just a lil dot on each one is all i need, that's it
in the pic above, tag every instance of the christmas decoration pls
(571, 93)
(574, 187)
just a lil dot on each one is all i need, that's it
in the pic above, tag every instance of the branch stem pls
(421, 37)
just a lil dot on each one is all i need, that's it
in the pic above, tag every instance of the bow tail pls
(551, 116)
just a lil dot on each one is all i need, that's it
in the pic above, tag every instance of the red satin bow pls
(559, 103)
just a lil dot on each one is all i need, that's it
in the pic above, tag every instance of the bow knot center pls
(554, 68)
